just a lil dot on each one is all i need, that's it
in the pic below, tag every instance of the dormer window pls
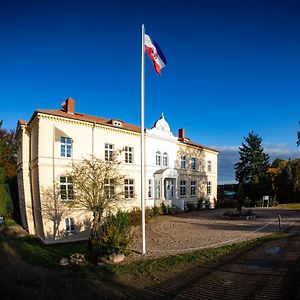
(115, 122)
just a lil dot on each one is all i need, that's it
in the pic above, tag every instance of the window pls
(182, 161)
(109, 150)
(158, 158)
(109, 188)
(65, 146)
(165, 159)
(182, 188)
(149, 188)
(208, 187)
(128, 155)
(66, 188)
(70, 225)
(157, 189)
(193, 163)
(129, 188)
(209, 166)
(193, 188)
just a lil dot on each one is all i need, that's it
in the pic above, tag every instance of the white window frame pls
(108, 151)
(109, 188)
(193, 188)
(182, 188)
(65, 146)
(208, 186)
(165, 159)
(66, 185)
(209, 166)
(157, 189)
(128, 155)
(183, 162)
(193, 163)
(70, 225)
(158, 158)
(149, 188)
(129, 188)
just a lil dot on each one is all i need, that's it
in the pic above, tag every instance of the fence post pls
(279, 222)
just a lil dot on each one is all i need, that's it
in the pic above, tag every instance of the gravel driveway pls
(188, 231)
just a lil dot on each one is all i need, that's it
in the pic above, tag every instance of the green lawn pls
(289, 206)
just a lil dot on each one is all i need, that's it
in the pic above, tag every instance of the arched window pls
(158, 158)
(165, 159)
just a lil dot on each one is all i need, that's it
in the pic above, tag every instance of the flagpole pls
(143, 143)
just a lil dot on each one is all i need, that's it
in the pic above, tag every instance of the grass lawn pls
(290, 206)
(34, 252)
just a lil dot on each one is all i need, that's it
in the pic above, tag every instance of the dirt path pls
(264, 272)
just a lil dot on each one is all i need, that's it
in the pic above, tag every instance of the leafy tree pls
(98, 188)
(251, 170)
(8, 152)
(6, 206)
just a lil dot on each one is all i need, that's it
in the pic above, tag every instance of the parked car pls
(1, 221)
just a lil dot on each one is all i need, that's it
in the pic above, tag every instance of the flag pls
(155, 54)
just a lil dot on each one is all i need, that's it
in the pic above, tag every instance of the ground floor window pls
(129, 188)
(149, 188)
(70, 225)
(182, 188)
(157, 189)
(193, 188)
(208, 188)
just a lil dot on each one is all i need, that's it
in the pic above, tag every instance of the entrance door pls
(169, 189)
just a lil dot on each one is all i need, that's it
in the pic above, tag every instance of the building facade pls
(177, 170)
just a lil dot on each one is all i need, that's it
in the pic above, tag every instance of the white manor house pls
(177, 170)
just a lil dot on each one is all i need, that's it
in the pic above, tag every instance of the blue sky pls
(233, 66)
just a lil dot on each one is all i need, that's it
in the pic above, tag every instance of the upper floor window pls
(209, 166)
(193, 163)
(109, 188)
(158, 158)
(128, 155)
(129, 188)
(109, 150)
(70, 225)
(208, 187)
(165, 159)
(66, 188)
(65, 146)
(193, 188)
(182, 162)
(182, 188)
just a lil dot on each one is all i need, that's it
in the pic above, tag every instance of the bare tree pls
(98, 187)
(53, 208)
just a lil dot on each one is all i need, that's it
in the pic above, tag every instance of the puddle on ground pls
(273, 250)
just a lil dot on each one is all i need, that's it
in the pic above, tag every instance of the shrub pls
(115, 235)
(200, 203)
(155, 211)
(190, 206)
(163, 208)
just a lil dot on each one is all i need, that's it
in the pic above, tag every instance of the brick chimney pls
(181, 134)
(69, 105)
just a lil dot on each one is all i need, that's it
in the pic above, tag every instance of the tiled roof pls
(88, 118)
(101, 121)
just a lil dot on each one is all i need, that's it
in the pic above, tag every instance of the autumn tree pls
(251, 170)
(98, 188)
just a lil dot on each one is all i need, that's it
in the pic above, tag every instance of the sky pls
(232, 67)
